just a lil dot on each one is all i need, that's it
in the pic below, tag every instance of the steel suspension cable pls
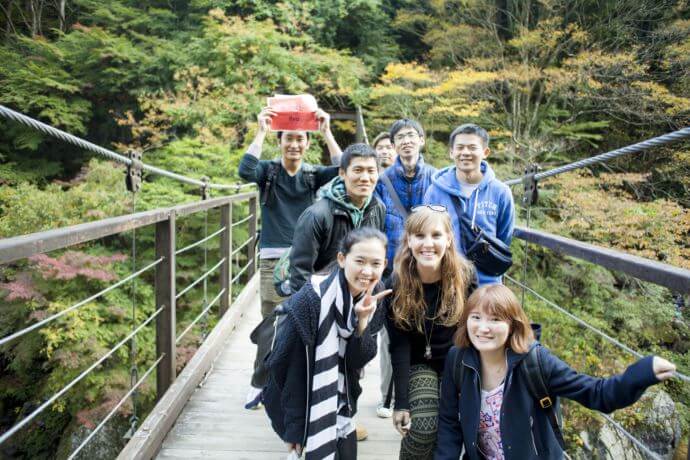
(117, 406)
(582, 322)
(91, 147)
(9, 433)
(57, 315)
(643, 146)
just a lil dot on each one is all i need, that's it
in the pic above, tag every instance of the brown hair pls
(497, 300)
(409, 307)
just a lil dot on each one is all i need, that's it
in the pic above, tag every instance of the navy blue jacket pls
(525, 429)
(411, 192)
(291, 361)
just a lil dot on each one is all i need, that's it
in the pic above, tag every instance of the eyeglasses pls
(433, 207)
(401, 137)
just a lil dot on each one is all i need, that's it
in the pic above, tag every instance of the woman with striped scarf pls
(431, 283)
(327, 336)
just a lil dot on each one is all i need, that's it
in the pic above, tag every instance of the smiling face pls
(467, 152)
(293, 145)
(487, 332)
(363, 264)
(429, 244)
(408, 143)
(360, 178)
(385, 152)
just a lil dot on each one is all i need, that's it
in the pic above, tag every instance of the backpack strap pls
(394, 196)
(271, 176)
(309, 174)
(534, 376)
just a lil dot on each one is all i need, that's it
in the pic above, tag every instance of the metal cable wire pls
(632, 438)
(635, 148)
(133, 369)
(242, 246)
(114, 409)
(200, 279)
(239, 222)
(232, 281)
(198, 243)
(20, 333)
(199, 316)
(9, 433)
(86, 145)
(587, 325)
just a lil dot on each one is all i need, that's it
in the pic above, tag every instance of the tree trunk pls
(61, 14)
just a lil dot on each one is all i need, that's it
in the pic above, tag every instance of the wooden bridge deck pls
(215, 425)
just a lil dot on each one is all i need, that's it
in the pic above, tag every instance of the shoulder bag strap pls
(394, 196)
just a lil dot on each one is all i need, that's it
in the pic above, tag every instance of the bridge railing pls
(165, 286)
(676, 279)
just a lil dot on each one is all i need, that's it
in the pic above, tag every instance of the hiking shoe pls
(384, 412)
(362, 433)
(253, 399)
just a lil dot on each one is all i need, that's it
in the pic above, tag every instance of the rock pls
(107, 443)
(660, 429)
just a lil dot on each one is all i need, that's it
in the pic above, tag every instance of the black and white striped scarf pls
(337, 322)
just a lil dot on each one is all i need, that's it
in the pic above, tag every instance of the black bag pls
(533, 373)
(489, 254)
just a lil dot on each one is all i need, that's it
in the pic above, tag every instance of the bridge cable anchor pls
(134, 173)
(530, 185)
(205, 190)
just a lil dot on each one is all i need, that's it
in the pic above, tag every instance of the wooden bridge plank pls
(215, 425)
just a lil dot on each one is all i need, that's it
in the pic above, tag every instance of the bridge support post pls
(165, 297)
(253, 225)
(225, 251)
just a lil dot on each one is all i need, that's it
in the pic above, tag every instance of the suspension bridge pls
(198, 411)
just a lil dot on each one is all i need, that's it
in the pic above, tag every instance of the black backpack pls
(308, 172)
(533, 372)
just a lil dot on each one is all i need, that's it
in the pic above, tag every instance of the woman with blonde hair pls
(430, 283)
(488, 407)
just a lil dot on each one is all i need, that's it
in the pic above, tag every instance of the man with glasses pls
(470, 188)
(401, 187)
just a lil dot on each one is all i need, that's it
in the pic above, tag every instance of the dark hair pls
(379, 137)
(358, 235)
(405, 123)
(470, 128)
(280, 134)
(356, 151)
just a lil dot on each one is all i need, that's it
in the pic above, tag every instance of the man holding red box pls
(288, 186)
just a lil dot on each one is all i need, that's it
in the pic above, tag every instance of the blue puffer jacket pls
(525, 429)
(411, 192)
(291, 362)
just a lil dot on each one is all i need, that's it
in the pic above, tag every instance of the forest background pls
(182, 80)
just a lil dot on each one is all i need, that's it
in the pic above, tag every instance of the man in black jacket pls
(346, 203)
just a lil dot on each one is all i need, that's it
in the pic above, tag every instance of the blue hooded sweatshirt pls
(411, 192)
(495, 210)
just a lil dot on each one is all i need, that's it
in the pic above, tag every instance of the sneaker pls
(253, 401)
(362, 433)
(383, 411)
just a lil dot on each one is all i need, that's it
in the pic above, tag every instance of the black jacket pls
(525, 429)
(319, 231)
(291, 362)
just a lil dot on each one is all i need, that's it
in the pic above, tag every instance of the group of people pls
(376, 251)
